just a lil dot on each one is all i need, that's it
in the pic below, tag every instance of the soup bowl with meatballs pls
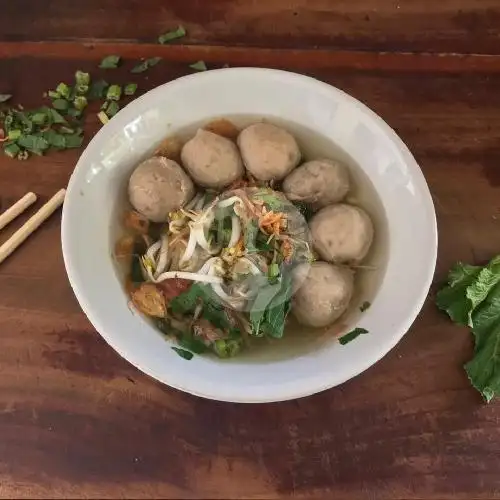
(249, 235)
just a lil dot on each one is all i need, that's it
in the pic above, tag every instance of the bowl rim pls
(131, 111)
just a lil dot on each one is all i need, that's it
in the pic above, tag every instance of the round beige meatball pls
(158, 186)
(212, 160)
(324, 294)
(341, 233)
(318, 182)
(269, 152)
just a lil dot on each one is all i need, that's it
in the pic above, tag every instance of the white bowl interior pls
(405, 249)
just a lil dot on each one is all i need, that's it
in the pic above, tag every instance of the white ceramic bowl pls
(99, 180)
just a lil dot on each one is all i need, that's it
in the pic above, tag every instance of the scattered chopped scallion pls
(114, 93)
(63, 90)
(146, 64)
(60, 104)
(112, 109)
(172, 35)
(80, 103)
(82, 78)
(130, 89)
(110, 62)
(103, 117)
(5, 97)
(11, 149)
(199, 66)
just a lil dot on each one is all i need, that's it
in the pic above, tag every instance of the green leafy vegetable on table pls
(472, 298)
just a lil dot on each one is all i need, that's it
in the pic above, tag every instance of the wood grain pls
(388, 25)
(78, 421)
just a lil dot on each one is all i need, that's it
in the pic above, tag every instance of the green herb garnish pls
(364, 306)
(14, 134)
(349, 337)
(145, 65)
(53, 94)
(5, 97)
(183, 353)
(130, 89)
(199, 66)
(472, 298)
(172, 35)
(110, 62)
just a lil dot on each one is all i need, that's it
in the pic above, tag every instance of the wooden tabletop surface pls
(78, 421)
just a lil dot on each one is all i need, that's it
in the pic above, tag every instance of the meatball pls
(324, 294)
(341, 233)
(212, 160)
(318, 182)
(159, 186)
(269, 152)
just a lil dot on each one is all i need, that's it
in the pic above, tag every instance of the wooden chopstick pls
(18, 208)
(32, 224)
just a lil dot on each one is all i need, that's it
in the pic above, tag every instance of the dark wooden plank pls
(392, 25)
(76, 420)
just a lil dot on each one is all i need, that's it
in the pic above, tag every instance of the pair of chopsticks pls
(31, 224)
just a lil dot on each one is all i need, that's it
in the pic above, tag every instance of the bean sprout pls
(162, 262)
(202, 278)
(235, 231)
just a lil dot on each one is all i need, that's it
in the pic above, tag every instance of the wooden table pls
(78, 421)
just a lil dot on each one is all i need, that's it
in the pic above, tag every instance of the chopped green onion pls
(11, 149)
(60, 104)
(274, 270)
(114, 93)
(110, 62)
(98, 89)
(144, 65)
(14, 134)
(53, 94)
(82, 78)
(74, 113)
(80, 103)
(5, 97)
(66, 130)
(73, 140)
(63, 90)
(54, 139)
(130, 89)
(104, 105)
(199, 66)
(23, 155)
(113, 108)
(172, 35)
(103, 117)
(33, 143)
(39, 118)
(81, 89)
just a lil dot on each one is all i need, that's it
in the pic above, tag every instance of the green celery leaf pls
(452, 298)
(5, 97)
